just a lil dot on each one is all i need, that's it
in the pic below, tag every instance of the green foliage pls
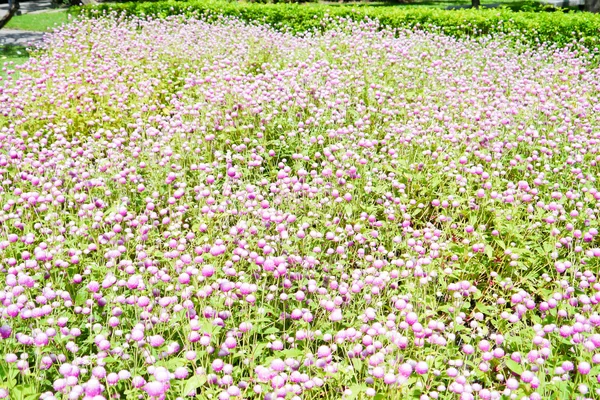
(559, 28)
(39, 22)
(10, 56)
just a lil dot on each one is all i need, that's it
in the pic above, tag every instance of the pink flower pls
(155, 389)
(156, 340)
(323, 352)
(421, 368)
(584, 368)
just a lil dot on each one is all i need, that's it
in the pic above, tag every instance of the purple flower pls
(5, 331)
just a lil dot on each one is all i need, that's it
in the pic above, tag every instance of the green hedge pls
(559, 28)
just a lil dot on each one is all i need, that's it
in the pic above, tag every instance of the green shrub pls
(558, 28)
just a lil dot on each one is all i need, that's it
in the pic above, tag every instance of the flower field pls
(226, 211)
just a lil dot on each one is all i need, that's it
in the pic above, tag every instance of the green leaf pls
(208, 327)
(514, 366)
(356, 390)
(259, 349)
(489, 252)
(80, 298)
(270, 330)
(158, 254)
(3, 373)
(23, 392)
(193, 383)
(175, 363)
(358, 364)
(348, 209)
(16, 393)
(292, 353)
(501, 244)
(484, 309)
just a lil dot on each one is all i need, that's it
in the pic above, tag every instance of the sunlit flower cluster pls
(225, 210)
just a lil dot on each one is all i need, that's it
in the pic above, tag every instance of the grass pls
(15, 55)
(39, 22)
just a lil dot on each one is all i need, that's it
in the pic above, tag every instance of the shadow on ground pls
(20, 38)
(27, 6)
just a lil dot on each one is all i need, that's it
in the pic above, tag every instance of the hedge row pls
(559, 28)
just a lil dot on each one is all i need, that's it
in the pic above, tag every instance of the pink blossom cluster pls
(225, 210)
